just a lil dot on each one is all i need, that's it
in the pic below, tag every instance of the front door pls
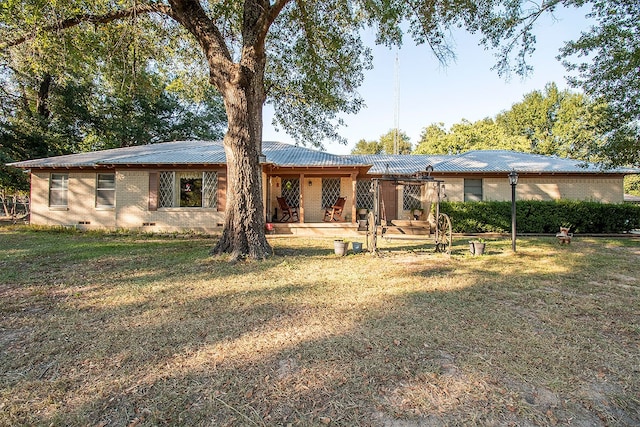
(389, 202)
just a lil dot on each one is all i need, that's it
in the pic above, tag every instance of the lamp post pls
(513, 180)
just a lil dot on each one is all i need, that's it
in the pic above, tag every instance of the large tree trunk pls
(244, 227)
(242, 88)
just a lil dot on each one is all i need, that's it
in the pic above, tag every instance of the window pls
(58, 190)
(330, 191)
(411, 197)
(106, 190)
(165, 199)
(291, 191)
(472, 190)
(364, 194)
(188, 189)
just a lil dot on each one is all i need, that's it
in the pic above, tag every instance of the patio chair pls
(334, 213)
(287, 211)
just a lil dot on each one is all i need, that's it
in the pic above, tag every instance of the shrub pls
(542, 216)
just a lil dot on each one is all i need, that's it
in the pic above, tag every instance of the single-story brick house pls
(182, 185)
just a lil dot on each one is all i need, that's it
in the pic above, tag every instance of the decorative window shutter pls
(222, 190)
(153, 191)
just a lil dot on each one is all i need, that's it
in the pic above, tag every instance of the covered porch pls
(310, 192)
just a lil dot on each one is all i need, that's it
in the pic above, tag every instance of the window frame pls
(331, 189)
(364, 194)
(169, 189)
(411, 199)
(61, 190)
(471, 196)
(106, 190)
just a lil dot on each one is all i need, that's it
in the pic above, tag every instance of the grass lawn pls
(137, 330)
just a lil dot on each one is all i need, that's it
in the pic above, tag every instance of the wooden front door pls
(389, 202)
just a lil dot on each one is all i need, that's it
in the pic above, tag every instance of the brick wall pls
(600, 189)
(132, 199)
(81, 210)
(132, 208)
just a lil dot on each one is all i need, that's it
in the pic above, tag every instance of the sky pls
(429, 92)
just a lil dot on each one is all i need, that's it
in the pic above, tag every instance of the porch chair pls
(334, 213)
(287, 211)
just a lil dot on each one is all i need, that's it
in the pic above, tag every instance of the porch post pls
(266, 199)
(301, 207)
(354, 192)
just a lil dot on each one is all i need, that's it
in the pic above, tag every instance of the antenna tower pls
(396, 107)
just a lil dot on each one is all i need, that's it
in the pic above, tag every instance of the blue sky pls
(430, 93)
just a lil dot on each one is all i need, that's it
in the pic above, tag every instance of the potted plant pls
(477, 246)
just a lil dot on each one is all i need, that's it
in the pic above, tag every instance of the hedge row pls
(542, 217)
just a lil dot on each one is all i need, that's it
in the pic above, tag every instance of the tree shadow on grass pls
(482, 341)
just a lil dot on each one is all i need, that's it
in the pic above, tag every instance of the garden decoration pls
(378, 225)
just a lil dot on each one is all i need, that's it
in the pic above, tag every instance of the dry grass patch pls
(138, 330)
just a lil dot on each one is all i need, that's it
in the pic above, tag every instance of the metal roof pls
(174, 153)
(398, 164)
(505, 161)
(188, 152)
(94, 158)
(287, 155)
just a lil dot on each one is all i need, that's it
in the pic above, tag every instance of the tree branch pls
(191, 15)
(91, 18)
(266, 19)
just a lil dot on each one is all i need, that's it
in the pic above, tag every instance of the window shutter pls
(153, 191)
(222, 190)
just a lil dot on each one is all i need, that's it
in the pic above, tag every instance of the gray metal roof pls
(505, 161)
(398, 164)
(188, 152)
(289, 155)
(95, 158)
(286, 155)
(174, 153)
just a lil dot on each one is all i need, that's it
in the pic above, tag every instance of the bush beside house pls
(542, 216)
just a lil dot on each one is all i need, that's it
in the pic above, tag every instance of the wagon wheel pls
(371, 233)
(443, 241)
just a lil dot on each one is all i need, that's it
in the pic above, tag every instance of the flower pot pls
(340, 247)
(269, 228)
(357, 247)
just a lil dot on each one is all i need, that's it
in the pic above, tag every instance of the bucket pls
(357, 247)
(340, 247)
(476, 248)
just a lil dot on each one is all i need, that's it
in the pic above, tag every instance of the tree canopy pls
(116, 91)
(386, 144)
(549, 122)
(607, 59)
(464, 136)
